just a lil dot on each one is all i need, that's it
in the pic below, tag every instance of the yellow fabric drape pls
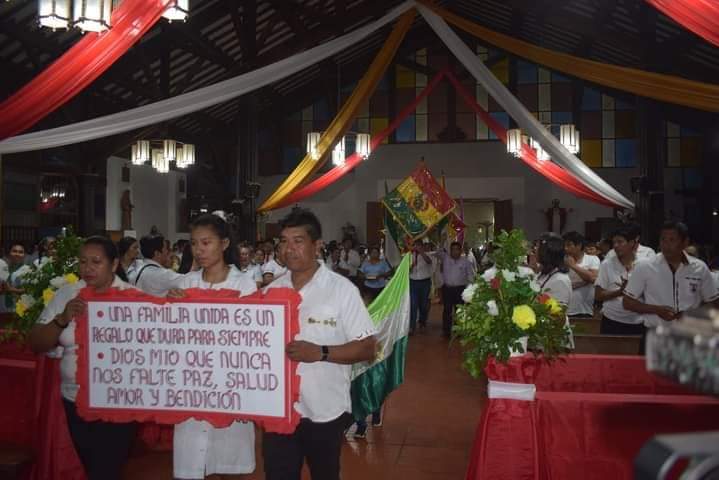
(365, 88)
(666, 88)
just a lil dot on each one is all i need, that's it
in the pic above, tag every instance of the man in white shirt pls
(583, 270)
(663, 288)
(153, 277)
(614, 273)
(420, 285)
(351, 259)
(245, 265)
(336, 331)
(641, 252)
(274, 268)
(457, 273)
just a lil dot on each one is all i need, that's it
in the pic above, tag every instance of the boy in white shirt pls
(583, 270)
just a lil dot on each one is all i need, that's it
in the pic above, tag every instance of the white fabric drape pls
(519, 113)
(192, 101)
(513, 391)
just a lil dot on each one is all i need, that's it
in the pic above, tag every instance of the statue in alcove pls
(556, 217)
(126, 206)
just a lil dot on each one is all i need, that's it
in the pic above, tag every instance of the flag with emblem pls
(373, 382)
(418, 203)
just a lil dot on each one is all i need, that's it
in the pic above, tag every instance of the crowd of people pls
(629, 285)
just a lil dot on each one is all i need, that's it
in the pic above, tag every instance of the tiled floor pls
(429, 423)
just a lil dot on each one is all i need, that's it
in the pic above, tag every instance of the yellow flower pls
(71, 278)
(554, 307)
(47, 295)
(523, 316)
(20, 309)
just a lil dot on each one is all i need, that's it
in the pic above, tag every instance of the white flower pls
(489, 274)
(534, 286)
(58, 282)
(468, 292)
(509, 276)
(27, 300)
(22, 271)
(492, 308)
(525, 272)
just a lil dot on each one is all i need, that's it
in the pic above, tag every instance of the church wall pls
(155, 197)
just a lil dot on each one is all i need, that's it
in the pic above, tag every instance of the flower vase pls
(519, 353)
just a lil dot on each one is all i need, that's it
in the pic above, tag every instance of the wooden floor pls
(429, 423)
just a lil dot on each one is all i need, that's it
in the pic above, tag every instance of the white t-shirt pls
(200, 449)
(331, 313)
(582, 302)
(420, 269)
(274, 268)
(156, 280)
(253, 272)
(653, 282)
(352, 261)
(558, 285)
(68, 363)
(611, 275)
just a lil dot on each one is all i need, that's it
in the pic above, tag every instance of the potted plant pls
(505, 312)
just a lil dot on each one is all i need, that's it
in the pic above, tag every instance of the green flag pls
(373, 382)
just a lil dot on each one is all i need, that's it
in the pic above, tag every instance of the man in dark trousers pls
(457, 273)
(335, 332)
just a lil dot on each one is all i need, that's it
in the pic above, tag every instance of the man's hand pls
(73, 309)
(666, 313)
(570, 261)
(176, 293)
(301, 351)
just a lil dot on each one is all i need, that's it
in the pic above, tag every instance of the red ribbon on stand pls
(79, 66)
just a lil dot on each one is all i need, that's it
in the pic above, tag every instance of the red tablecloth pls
(591, 415)
(32, 413)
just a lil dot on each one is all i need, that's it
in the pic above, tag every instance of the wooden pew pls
(586, 326)
(607, 344)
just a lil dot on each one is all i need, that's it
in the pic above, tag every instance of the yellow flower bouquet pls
(505, 311)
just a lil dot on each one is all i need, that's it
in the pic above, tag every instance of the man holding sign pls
(336, 331)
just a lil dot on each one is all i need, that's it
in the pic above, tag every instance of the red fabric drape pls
(550, 170)
(698, 16)
(352, 161)
(79, 66)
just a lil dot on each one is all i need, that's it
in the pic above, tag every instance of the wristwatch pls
(325, 353)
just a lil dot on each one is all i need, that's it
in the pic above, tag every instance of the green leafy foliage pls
(488, 325)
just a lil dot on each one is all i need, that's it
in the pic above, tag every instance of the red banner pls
(210, 356)
(698, 16)
(79, 66)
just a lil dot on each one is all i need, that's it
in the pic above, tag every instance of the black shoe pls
(377, 419)
(361, 431)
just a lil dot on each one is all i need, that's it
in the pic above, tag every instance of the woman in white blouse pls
(102, 447)
(199, 448)
(553, 278)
